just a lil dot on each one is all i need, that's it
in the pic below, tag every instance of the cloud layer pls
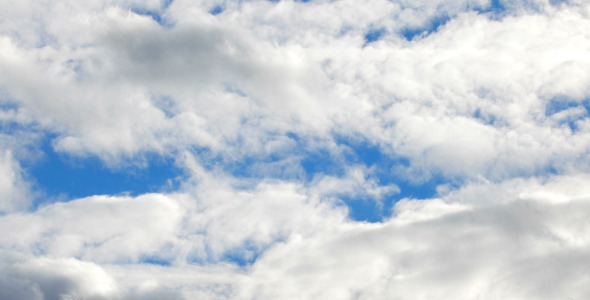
(287, 119)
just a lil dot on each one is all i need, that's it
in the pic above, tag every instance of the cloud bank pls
(326, 149)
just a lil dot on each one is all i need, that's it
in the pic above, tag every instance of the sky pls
(319, 149)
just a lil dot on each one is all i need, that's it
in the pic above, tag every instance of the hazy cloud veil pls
(320, 149)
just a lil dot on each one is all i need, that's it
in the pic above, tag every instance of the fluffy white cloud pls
(486, 99)
(46, 278)
(511, 244)
(223, 81)
(15, 191)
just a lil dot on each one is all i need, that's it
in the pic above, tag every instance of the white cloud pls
(508, 248)
(265, 85)
(99, 228)
(356, 183)
(15, 194)
(48, 278)
(484, 240)
(227, 85)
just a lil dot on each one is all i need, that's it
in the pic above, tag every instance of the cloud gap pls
(434, 24)
(156, 261)
(388, 169)
(156, 15)
(215, 10)
(374, 35)
(368, 210)
(244, 256)
(486, 118)
(567, 111)
(495, 11)
(60, 175)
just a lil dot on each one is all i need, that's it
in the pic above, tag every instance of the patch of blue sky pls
(156, 15)
(61, 176)
(496, 7)
(304, 164)
(485, 118)
(367, 209)
(383, 165)
(166, 3)
(374, 35)
(215, 10)
(411, 33)
(10, 127)
(242, 257)
(323, 162)
(156, 261)
(559, 104)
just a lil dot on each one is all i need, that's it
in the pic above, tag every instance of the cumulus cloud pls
(218, 81)
(15, 193)
(510, 245)
(439, 248)
(45, 278)
(285, 117)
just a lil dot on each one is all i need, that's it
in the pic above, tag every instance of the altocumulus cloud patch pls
(294, 149)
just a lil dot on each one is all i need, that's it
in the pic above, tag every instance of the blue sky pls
(58, 175)
(221, 149)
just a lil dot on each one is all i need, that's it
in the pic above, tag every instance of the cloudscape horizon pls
(319, 149)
